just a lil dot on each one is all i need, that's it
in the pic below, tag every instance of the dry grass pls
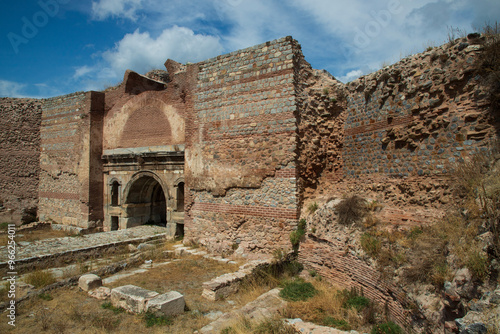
(328, 305)
(72, 311)
(269, 326)
(40, 278)
(351, 210)
(185, 276)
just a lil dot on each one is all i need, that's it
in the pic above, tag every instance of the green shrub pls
(477, 263)
(298, 290)
(357, 302)
(351, 210)
(336, 323)
(355, 299)
(386, 328)
(273, 326)
(152, 319)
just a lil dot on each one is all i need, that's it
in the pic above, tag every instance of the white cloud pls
(103, 9)
(351, 75)
(82, 71)
(11, 89)
(141, 52)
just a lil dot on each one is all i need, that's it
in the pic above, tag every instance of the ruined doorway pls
(114, 223)
(146, 202)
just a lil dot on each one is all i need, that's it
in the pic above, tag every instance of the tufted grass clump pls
(297, 235)
(40, 278)
(313, 207)
(351, 210)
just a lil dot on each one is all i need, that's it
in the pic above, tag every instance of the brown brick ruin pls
(229, 150)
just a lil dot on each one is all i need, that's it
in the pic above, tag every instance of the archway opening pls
(146, 203)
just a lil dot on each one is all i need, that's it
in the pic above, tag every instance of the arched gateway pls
(145, 200)
(144, 187)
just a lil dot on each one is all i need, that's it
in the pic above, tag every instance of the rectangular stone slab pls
(170, 303)
(132, 298)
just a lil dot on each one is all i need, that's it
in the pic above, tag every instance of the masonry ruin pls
(227, 151)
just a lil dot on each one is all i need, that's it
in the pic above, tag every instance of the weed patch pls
(296, 236)
(109, 306)
(337, 323)
(45, 296)
(387, 328)
(312, 207)
(152, 319)
(298, 290)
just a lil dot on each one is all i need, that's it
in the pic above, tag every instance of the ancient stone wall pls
(19, 156)
(240, 149)
(403, 128)
(417, 117)
(70, 190)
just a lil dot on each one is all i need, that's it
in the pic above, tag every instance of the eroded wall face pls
(70, 190)
(19, 156)
(405, 127)
(417, 117)
(240, 150)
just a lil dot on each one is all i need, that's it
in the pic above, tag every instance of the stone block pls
(170, 303)
(132, 298)
(89, 282)
(101, 293)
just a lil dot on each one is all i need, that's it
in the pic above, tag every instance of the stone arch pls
(144, 120)
(145, 200)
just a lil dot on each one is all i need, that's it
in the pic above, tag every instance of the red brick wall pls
(240, 149)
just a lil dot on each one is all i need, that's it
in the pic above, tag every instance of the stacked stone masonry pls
(19, 155)
(417, 117)
(241, 162)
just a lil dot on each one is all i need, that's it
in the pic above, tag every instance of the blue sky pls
(55, 47)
